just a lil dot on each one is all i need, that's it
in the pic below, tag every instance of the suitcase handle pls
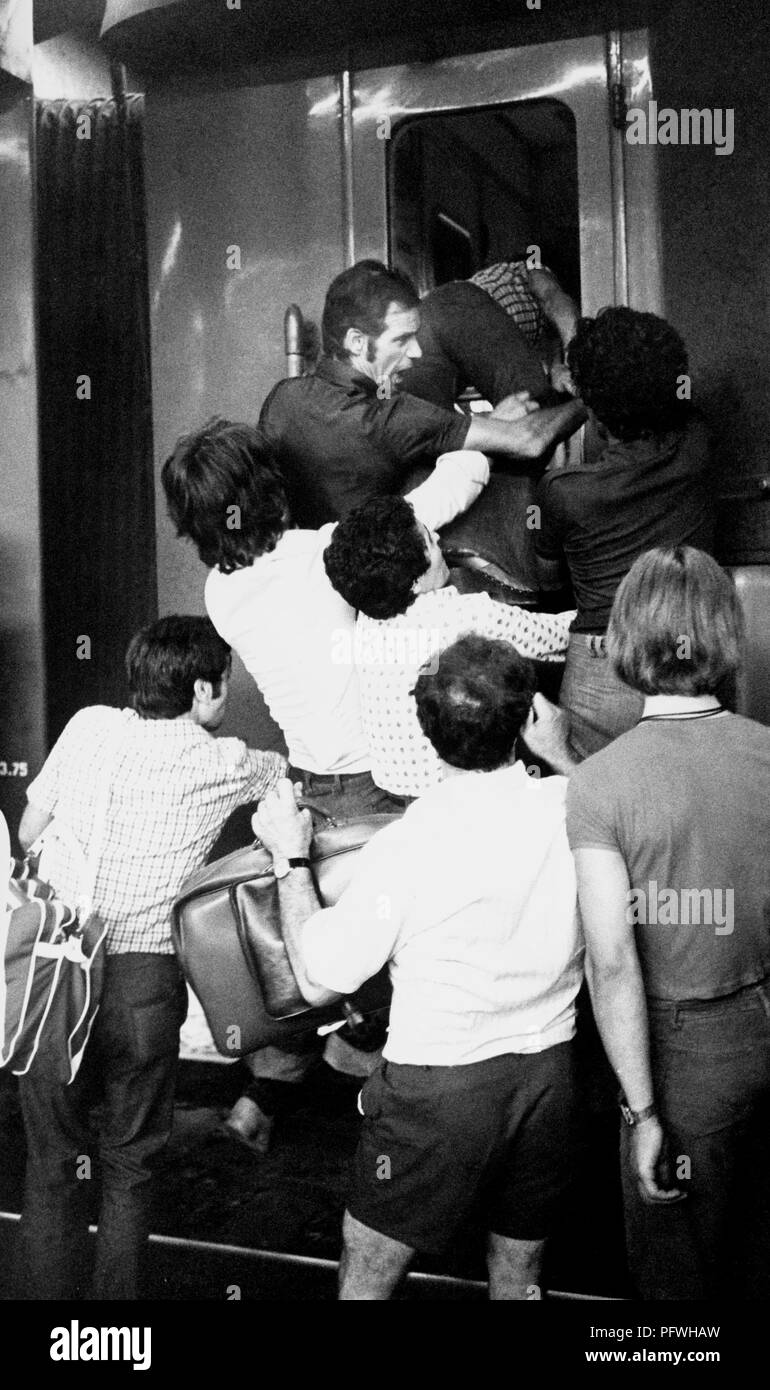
(314, 809)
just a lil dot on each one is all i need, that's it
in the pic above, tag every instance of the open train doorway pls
(539, 131)
(469, 189)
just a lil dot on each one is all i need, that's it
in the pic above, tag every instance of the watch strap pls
(636, 1117)
(299, 862)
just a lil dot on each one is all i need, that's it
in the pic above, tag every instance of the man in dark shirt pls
(648, 487)
(343, 435)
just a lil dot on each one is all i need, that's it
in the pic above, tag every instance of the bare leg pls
(372, 1264)
(514, 1267)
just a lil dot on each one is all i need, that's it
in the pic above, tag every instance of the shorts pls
(441, 1145)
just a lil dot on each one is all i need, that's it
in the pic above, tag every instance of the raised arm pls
(558, 307)
(617, 991)
(529, 437)
(457, 480)
(562, 313)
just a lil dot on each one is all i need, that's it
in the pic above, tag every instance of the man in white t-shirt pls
(386, 562)
(471, 899)
(269, 597)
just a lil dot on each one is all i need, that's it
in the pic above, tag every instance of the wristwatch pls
(282, 865)
(636, 1117)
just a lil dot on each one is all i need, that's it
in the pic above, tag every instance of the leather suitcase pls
(226, 930)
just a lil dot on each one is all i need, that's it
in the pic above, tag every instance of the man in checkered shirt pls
(386, 563)
(171, 788)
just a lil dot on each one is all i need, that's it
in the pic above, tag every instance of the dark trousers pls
(130, 1070)
(599, 705)
(711, 1075)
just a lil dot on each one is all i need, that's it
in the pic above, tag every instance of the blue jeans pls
(711, 1077)
(347, 796)
(130, 1069)
(599, 705)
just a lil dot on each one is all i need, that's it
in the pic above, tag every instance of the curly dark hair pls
(225, 491)
(360, 298)
(375, 554)
(472, 707)
(626, 366)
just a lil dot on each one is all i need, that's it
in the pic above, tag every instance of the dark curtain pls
(97, 499)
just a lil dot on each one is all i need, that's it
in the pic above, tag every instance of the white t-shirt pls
(471, 897)
(294, 633)
(390, 652)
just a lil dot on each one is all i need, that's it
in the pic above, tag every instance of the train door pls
(566, 97)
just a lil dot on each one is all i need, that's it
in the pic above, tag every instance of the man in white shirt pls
(269, 597)
(471, 899)
(387, 563)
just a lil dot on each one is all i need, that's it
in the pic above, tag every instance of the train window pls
(451, 248)
(473, 187)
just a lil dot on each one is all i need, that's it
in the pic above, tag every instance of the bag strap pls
(5, 859)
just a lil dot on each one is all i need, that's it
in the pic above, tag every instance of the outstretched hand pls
(515, 406)
(278, 822)
(561, 379)
(546, 733)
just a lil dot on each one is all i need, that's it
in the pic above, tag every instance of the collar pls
(668, 706)
(341, 374)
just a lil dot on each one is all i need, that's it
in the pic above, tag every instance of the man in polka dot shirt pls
(387, 564)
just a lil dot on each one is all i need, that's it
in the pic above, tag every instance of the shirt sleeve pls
(270, 408)
(260, 771)
(549, 531)
(57, 771)
(410, 428)
(455, 483)
(591, 812)
(543, 636)
(347, 944)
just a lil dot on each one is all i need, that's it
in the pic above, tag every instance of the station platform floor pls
(269, 1227)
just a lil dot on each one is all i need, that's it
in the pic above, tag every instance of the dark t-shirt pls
(687, 805)
(338, 444)
(467, 339)
(635, 496)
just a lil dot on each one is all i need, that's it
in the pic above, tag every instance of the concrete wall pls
(22, 720)
(244, 167)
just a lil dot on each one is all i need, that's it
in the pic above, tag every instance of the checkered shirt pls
(506, 281)
(390, 651)
(172, 788)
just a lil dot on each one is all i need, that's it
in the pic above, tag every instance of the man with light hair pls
(676, 806)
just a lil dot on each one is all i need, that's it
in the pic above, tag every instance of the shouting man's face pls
(395, 348)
